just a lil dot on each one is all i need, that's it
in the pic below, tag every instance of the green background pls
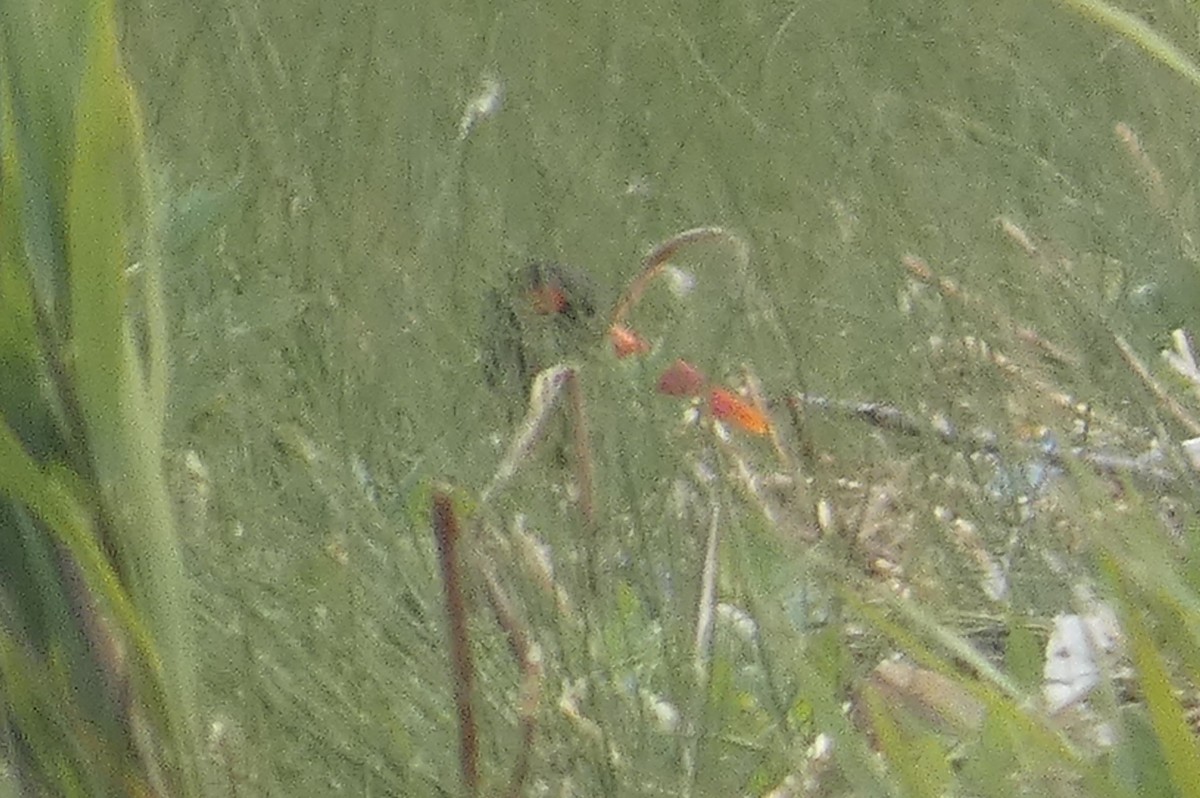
(327, 291)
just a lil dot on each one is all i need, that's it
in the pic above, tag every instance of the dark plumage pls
(545, 313)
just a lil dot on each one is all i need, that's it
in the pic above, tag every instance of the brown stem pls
(655, 262)
(446, 531)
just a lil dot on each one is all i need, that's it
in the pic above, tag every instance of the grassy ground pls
(329, 276)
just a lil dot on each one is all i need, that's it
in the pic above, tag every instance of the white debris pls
(681, 282)
(483, 106)
(1182, 359)
(197, 472)
(639, 186)
(739, 620)
(666, 716)
(995, 578)
(362, 475)
(1184, 363)
(825, 515)
(1191, 450)
(821, 748)
(1073, 664)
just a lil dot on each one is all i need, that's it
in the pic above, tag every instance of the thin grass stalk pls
(1137, 31)
(1171, 728)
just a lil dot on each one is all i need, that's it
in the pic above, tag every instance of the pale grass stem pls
(949, 289)
(655, 263)
(1151, 176)
(1169, 402)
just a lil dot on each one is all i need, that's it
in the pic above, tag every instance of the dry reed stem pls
(655, 263)
(758, 398)
(543, 399)
(447, 533)
(949, 289)
(706, 613)
(568, 705)
(749, 480)
(525, 651)
(706, 609)
(528, 656)
(1183, 360)
(1058, 397)
(537, 561)
(585, 471)
(1018, 235)
(1155, 185)
(884, 416)
(1169, 402)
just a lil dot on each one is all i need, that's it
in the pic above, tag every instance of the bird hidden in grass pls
(545, 313)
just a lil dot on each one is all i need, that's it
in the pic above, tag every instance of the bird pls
(543, 313)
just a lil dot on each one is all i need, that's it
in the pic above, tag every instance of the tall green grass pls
(97, 670)
(330, 239)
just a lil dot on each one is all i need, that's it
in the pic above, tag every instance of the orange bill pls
(548, 299)
(729, 407)
(553, 289)
(626, 342)
(681, 379)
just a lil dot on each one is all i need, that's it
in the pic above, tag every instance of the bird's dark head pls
(553, 289)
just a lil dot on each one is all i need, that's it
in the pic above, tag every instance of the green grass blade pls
(47, 495)
(919, 763)
(122, 407)
(1137, 31)
(1166, 713)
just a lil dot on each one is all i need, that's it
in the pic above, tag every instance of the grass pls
(95, 651)
(329, 242)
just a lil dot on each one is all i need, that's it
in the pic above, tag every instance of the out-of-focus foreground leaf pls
(95, 668)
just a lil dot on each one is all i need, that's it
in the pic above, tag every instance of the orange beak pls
(548, 299)
(552, 290)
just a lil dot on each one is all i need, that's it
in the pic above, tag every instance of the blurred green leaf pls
(990, 768)
(82, 396)
(24, 396)
(1166, 712)
(27, 402)
(52, 496)
(1024, 654)
(820, 684)
(195, 212)
(119, 381)
(1136, 30)
(916, 758)
(105, 186)
(1139, 763)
